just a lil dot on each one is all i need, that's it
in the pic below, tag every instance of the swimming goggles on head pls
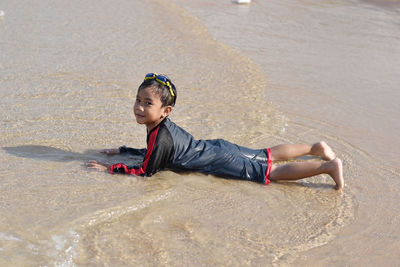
(161, 79)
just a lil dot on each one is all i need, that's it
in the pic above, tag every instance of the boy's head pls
(155, 99)
(162, 86)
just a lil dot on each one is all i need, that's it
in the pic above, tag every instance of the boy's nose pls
(138, 107)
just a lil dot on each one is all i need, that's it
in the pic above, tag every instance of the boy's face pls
(148, 108)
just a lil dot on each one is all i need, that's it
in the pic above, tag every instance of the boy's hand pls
(110, 151)
(92, 164)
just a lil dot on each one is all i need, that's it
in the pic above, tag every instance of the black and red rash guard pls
(170, 146)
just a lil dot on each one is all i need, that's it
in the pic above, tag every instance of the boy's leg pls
(289, 151)
(300, 170)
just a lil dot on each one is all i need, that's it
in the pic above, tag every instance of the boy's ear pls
(167, 111)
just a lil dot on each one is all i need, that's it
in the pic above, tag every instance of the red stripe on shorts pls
(269, 165)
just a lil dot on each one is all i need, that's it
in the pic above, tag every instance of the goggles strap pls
(155, 76)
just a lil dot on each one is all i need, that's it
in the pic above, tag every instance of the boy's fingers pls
(92, 164)
(96, 167)
(96, 163)
(108, 151)
(100, 166)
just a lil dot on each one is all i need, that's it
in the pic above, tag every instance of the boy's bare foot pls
(337, 172)
(322, 150)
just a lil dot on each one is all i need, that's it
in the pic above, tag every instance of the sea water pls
(258, 75)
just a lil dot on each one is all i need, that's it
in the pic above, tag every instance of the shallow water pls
(69, 72)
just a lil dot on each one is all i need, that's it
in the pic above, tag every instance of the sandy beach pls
(258, 75)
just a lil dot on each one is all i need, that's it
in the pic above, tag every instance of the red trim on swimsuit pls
(269, 165)
(142, 169)
(118, 165)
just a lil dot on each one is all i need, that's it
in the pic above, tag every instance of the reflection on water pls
(48, 153)
(55, 154)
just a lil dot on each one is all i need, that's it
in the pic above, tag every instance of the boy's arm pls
(124, 149)
(154, 160)
(114, 168)
(133, 151)
(158, 155)
(110, 151)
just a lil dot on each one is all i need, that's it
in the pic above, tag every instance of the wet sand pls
(69, 73)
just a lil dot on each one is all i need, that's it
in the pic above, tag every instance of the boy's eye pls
(144, 102)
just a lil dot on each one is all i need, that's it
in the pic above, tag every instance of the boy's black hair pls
(162, 90)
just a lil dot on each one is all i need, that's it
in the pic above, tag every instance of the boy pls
(169, 146)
